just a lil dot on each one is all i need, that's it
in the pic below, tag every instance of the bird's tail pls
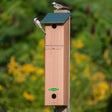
(66, 7)
(43, 31)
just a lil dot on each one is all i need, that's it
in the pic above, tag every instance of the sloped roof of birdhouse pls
(58, 18)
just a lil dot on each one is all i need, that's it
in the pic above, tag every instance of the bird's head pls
(53, 3)
(35, 19)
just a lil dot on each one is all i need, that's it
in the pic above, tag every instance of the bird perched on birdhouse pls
(38, 24)
(59, 6)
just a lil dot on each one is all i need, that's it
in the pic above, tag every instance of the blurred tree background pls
(22, 55)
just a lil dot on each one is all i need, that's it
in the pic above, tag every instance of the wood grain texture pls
(54, 36)
(61, 11)
(54, 74)
(57, 64)
(66, 61)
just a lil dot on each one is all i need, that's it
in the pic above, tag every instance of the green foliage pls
(91, 55)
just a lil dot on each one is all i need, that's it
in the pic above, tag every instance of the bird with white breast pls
(59, 6)
(38, 24)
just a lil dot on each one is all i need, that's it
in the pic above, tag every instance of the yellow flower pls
(1, 87)
(80, 44)
(75, 70)
(28, 96)
(98, 76)
(82, 56)
(108, 61)
(101, 97)
(8, 86)
(21, 77)
(95, 101)
(12, 62)
(79, 57)
(104, 85)
(78, 82)
(90, 102)
(12, 70)
(73, 43)
(41, 43)
(40, 71)
(28, 68)
(12, 65)
(87, 72)
(106, 54)
(73, 77)
(99, 91)
(34, 78)
(71, 66)
(47, 109)
(43, 88)
(16, 70)
(106, 57)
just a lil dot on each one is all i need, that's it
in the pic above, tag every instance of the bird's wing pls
(39, 24)
(36, 24)
(59, 5)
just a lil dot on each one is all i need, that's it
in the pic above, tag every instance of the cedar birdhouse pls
(57, 42)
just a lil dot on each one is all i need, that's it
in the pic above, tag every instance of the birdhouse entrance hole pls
(54, 26)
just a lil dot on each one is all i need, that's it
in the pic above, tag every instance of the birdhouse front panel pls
(54, 73)
(54, 35)
(57, 42)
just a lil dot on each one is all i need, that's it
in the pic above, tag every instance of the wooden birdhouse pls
(57, 42)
